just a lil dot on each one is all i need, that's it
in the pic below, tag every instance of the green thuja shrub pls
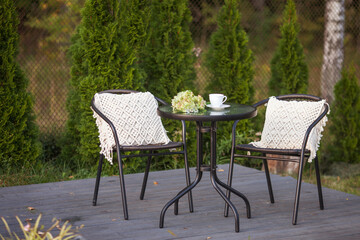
(229, 59)
(19, 145)
(168, 62)
(167, 57)
(230, 62)
(103, 56)
(345, 120)
(289, 72)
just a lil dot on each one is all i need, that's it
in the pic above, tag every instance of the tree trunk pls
(333, 47)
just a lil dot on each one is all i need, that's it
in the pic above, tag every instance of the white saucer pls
(219, 107)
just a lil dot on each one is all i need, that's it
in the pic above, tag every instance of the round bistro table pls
(233, 112)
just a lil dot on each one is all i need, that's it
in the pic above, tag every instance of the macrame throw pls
(286, 123)
(134, 117)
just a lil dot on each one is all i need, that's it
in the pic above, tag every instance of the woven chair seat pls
(152, 146)
(291, 152)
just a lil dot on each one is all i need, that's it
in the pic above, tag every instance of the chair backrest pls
(126, 91)
(301, 97)
(127, 118)
(293, 121)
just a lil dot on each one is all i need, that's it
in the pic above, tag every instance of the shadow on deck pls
(72, 201)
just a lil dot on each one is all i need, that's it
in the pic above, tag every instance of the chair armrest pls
(118, 91)
(289, 97)
(312, 125)
(163, 102)
(113, 129)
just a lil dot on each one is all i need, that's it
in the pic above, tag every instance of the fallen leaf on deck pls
(172, 233)
(220, 170)
(156, 183)
(31, 208)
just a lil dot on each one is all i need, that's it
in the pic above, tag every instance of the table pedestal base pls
(213, 177)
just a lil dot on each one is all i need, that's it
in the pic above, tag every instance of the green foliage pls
(167, 58)
(230, 62)
(345, 120)
(59, 18)
(19, 145)
(103, 56)
(37, 232)
(224, 148)
(168, 62)
(289, 73)
(229, 59)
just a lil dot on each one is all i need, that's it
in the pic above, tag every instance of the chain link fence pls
(46, 27)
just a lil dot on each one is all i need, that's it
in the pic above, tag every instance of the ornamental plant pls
(103, 56)
(289, 72)
(19, 145)
(37, 231)
(168, 62)
(186, 101)
(345, 120)
(229, 59)
(167, 57)
(230, 62)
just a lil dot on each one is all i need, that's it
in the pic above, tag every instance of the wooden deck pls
(72, 201)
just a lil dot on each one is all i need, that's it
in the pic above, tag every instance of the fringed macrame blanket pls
(286, 123)
(134, 117)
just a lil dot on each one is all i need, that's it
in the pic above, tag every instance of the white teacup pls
(217, 99)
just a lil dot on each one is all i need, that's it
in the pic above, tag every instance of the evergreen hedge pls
(289, 72)
(167, 58)
(103, 56)
(230, 62)
(345, 120)
(229, 59)
(168, 62)
(19, 145)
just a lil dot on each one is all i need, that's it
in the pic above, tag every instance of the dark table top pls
(234, 112)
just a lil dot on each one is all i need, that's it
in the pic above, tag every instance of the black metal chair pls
(275, 154)
(142, 151)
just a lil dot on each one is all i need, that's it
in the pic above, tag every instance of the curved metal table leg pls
(236, 214)
(177, 197)
(196, 181)
(213, 178)
(236, 192)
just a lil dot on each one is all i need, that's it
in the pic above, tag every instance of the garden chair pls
(129, 125)
(293, 126)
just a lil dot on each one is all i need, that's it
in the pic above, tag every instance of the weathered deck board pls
(72, 201)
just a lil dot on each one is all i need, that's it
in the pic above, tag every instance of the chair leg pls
(229, 182)
(268, 180)
(298, 189)
(321, 202)
(122, 186)
(98, 176)
(146, 174)
(188, 181)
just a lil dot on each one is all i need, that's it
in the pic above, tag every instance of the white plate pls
(219, 107)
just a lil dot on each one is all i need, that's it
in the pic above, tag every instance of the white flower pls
(186, 101)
